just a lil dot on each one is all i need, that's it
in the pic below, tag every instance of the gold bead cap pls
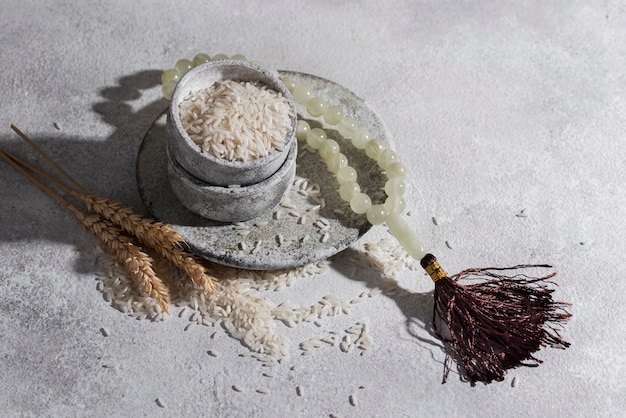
(433, 268)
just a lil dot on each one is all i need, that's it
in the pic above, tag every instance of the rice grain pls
(236, 121)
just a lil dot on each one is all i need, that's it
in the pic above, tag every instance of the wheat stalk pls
(139, 264)
(156, 235)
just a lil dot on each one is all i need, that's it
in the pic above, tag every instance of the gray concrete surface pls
(497, 108)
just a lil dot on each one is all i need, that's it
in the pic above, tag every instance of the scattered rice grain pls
(160, 403)
(213, 353)
(299, 390)
(105, 332)
(263, 391)
(324, 237)
(352, 400)
(237, 388)
(374, 292)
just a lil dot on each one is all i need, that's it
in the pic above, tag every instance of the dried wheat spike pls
(156, 235)
(146, 230)
(138, 263)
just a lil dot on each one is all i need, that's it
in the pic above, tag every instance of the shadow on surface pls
(105, 166)
(416, 307)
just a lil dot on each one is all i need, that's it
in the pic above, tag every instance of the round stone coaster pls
(310, 224)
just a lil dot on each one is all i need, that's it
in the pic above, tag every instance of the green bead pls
(360, 203)
(290, 83)
(333, 114)
(386, 157)
(315, 137)
(239, 57)
(168, 88)
(335, 161)
(348, 189)
(346, 127)
(316, 106)
(200, 59)
(346, 174)
(395, 204)
(170, 75)
(301, 94)
(219, 57)
(182, 66)
(360, 138)
(396, 170)
(395, 187)
(377, 214)
(373, 148)
(302, 130)
(328, 147)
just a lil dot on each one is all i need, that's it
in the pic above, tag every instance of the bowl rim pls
(260, 74)
(240, 191)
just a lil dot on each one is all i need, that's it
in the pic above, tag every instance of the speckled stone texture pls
(231, 204)
(498, 109)
(282, 237)
(204, 166)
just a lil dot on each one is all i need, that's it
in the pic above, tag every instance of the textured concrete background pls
(495, 107)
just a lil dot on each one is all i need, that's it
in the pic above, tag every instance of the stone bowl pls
(204, 166)
(232, 204)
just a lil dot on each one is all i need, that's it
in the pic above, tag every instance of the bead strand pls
(337, 163)
(170, 77)
(391, 211)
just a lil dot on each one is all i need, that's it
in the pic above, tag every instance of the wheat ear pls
(139, 264)
(157, 235)
(167, 242)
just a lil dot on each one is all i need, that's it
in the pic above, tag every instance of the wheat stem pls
(138, 263)
(48, 158)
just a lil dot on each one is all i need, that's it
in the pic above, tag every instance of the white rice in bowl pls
(236, 121)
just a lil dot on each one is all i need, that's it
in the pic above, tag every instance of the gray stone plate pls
(311, 223)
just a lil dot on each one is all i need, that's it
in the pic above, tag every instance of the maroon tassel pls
(497, 323)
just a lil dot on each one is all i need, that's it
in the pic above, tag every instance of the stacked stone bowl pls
(219, 189)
